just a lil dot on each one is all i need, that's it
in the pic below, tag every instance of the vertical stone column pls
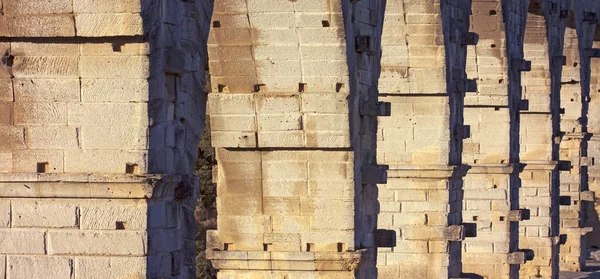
(424, 79)
(492, 183)
(574, 148)
(101, 110)
(293, 114)
(540, 124)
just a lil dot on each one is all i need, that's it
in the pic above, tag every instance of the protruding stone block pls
(379, 109)
(564, 200)
(593, 52)
(524, 105)
(518, 215)
(564, 165)
(587, 196)
(454, 233)
(374, 174)
(466, 85)
(516, 258)
(559, 60)
(462, 131)
(521, 65)
(385, 238)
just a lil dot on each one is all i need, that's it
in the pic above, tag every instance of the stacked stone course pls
(101, 111)
(354, 138)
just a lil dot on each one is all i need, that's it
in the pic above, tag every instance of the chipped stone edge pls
(98, 186)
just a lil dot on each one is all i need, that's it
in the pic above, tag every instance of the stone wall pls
(101, 113)
(293, 113)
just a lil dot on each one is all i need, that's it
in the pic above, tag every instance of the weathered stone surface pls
(105, 243)
(18, 241)
(44, 214)
(124, 267)
(104, 215)
(38, 267)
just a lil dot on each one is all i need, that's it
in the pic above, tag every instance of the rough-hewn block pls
(109, 6)
(52, 137)
(46, 67)
(114, 137)
(40, 113)
(114, 90)
(4, 213)
(103, 161)
(26, 161)
(114, 66)
(17, 241)
(23, 267)
(46, 90)
(104, 215)
(44, 214)
(105, 267)
(103, 25)
(123, 243)
(49, 25)
(108, 114)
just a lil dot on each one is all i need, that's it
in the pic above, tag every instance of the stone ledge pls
(423, 171)
(110, 186)
(299, 261)
(540, 165)
(492, 168)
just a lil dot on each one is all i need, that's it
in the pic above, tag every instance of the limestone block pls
(4, 215)
(29, 7)
(114, 137)
(38, 267)
(45, 67)
(233, 123)
(33, 49)
(103, 161)
(44, 214)
(324, 103)
(230, 104)
(26, 161)
(332, 35)
(110, 215)
(49, 25)
(108, 114)
(326, 122)
(6, 88)
(103, 25)
(233, 139)
(52, 137)
(6, 113)
(281, 139)
(114, 66)
(46, 90)
(257, 6)
(409, 207)
(111, 267)
(40, 113)
(18, 241)
(325, 205)
(112, 6)
(123, 243)
(284, 188)
(245, 224)
(400, 219)
(284, 170)
(117, 48)
(240, 205)
(291, 224)
(114, 90)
